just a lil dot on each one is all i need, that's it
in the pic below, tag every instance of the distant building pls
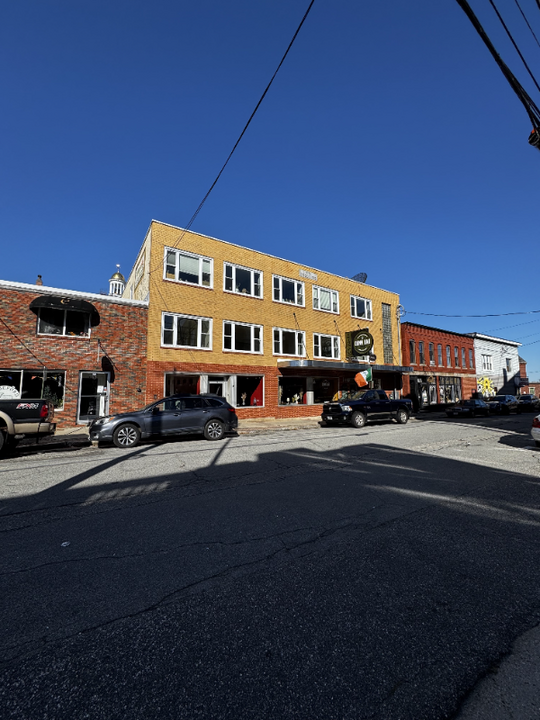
(442, 365)
(497, 363)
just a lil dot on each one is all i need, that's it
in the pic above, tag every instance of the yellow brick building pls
(267, 334)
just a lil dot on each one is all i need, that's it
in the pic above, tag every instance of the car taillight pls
(231, 410)
(536, 422)
(44, 412)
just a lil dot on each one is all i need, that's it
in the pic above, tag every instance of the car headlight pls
(346, 408)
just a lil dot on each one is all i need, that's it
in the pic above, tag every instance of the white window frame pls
(297, 284)
(64, 333)
(487, 362)
(508, 362)
(369, 311)
(175, 344)
(185, 253)
(335, 341)
(298, 342)
(440, 355)
(235, 267)
(253, 327)
(334, 299)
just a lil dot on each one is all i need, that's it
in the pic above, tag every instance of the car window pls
(213, 403)
(192, 403)
(382, 395)
(165, 406)
(369, 396)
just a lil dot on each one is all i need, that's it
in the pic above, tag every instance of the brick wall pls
(122, 335)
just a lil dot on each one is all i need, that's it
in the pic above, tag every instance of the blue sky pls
(389, 143)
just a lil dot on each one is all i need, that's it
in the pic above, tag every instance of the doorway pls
(93, 401)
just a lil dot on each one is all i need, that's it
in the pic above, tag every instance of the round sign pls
(362, 342)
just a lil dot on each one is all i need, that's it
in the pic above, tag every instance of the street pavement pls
(389, 572)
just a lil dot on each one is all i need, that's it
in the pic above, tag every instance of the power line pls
(525, 18)
(205, 198)
(525, 312)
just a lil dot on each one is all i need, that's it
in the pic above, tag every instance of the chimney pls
(39, 281)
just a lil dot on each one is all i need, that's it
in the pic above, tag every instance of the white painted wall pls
(499, 352)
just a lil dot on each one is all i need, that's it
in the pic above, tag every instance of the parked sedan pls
(207, 415)
(468, 408)
(504, 404)
(535, 430)
(529, 403)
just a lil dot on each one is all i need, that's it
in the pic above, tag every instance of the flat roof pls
(46, 290)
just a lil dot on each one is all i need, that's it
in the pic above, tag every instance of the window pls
(249, 391)
(471, 360)
(324, 299)
(34, 384)
(508, 364)
(487, 363)
(439, 354)
(456, 356)
(63, 322)
(448, 356)
(188, 268)
(186, 331)
(243, 281)
(421, 356)
(361, 308)
(289, 342)
(288, 291)
(412, 352)
(292, 391)
(431, 354)
(326, 346)
(463, 359)
(240, 337)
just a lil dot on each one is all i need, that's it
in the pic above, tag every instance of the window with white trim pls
(325, 299)
(288, 291)
(448, 356)
(241, 337)
(188, 268)
(326, 346)
(463, 358)
(242, 280)
(471, 360)
(487, 362)
(361, 308)
(456, 356)
(508, 364)
(186, 331)
(289, 342)
(439, 354)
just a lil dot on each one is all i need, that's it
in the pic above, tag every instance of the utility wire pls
(528, 24)
(491, 2)
(525, 312)
(205, 198)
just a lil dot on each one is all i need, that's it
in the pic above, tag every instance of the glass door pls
(93, 399)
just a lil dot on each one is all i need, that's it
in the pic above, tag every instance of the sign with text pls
(358, 343)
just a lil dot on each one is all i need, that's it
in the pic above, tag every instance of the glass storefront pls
(36, 384)
(292, 391)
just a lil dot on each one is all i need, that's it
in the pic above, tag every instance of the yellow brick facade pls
(171, 296)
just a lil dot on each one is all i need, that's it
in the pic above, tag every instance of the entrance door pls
(93, 399)
(217, 386)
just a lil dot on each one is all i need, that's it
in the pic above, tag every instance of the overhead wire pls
(528, 24)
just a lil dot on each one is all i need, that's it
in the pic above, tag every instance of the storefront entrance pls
(93, 401)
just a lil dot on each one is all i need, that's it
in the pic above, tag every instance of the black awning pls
(66, 303)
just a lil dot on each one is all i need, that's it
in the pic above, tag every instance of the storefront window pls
(34, 384)
(324, 389)
(449, 389)
(292, 391)
(249, 391)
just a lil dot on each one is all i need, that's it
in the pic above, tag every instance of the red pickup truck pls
(25, 418)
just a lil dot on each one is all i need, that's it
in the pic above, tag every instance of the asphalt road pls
(328, 573)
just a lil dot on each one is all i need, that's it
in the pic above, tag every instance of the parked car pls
(25, 418)
(529, 403)
(364, 405)
(504, 404)
(468, 408)
(535, 430)
(207, 415)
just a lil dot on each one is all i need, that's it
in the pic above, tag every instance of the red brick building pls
(85, 352)
(443, 365)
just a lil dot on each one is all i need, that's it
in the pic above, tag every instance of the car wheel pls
(214, 430)
(402, 416)
(126, 436)
(358, 420)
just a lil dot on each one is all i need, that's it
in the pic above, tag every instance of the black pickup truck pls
(366, 405)
(25, 418)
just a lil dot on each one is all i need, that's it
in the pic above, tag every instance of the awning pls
(66, 303)
(332, 365)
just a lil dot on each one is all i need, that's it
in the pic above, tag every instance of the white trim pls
(244, 352)
(296, 332)
(248, 269)
(366, 300)
(46, 290)
(318, 288)
(199, 319)
(479, 336)
(296, 282)
(196, 256)
(333, 337)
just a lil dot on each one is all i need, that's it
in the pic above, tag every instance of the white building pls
(497, 365)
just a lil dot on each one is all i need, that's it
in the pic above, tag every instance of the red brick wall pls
(524, 390)
(122, 333)
(420, 333)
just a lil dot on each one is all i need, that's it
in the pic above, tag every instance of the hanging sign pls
(358, 343)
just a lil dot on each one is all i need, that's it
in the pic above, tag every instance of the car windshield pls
(358, 395)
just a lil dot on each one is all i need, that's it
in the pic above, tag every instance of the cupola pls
(117, 283)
